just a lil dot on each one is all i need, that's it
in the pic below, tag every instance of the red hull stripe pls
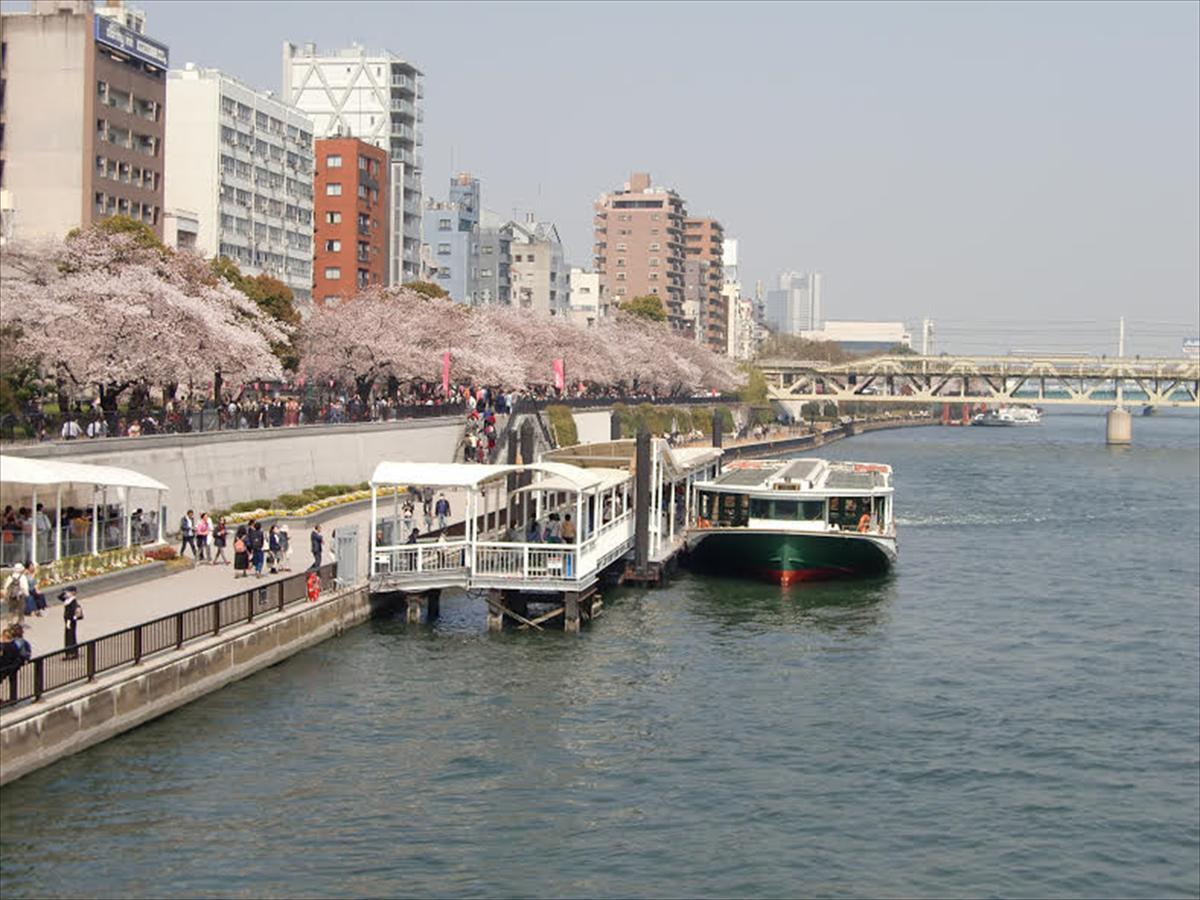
(788, 576)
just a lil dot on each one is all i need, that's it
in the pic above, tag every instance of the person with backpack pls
(187, 529)
(219, 535)
(254, 541)
(241, 553)
(72, 613)
(16, 593)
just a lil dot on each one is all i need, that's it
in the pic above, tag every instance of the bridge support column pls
(571, 612)
(495, 618)
(414, 608)
(1119, 427)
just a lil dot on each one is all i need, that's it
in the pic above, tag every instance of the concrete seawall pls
(40, 733)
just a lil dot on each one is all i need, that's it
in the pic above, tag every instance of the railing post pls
(90, 652)
(525, 564)
(282, 592)
(39, 678)
(216, 617)
(250, 599)
(178, 630)
(137, 645)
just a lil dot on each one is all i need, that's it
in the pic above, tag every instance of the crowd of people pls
(22, 601)
(17, 527)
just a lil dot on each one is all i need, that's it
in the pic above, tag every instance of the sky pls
(1022, 173)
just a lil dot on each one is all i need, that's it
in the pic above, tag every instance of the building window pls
(333, 190)
(444, 224)
(653, 276)
(620, 262)
(488, 250)
(362, 192)
(333, 218)
(485, 273)
(333, 273)
(620, 276)
(654, 247)
(516, 257)
(654, 261)
(443, 249)
(333, 161)
(333, 245)
(443, 274)
(362, 163)
(528, 257)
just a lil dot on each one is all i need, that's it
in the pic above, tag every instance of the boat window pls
(787, 510)
(733, 509)
(845, 511)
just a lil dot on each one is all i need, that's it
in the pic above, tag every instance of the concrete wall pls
(593, 425)
(210, 471)
(41, 733)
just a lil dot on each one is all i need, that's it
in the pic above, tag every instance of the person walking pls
(187, 530)
(16, 593)
(72, 613)
(241, 553)
(255, 540)
(203, 527)
(220, 534)
(318, 543)
(285, 548)
(273, 548)
(408, 513)
(443, 510)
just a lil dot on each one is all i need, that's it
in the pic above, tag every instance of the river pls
(1014, 711)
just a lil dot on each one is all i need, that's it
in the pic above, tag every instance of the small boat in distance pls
(794, 520)
(1009, 415)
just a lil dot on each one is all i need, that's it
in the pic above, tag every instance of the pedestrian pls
(256, 542)
(568, 530)
(35, 602)
(14, 653)
(41, 522)
(412, 536)
(427, 507)
(318, 542)
(273, 548)
(71, 429)
(533, 534)
(241, 553)
(407, 512)
(442, 509)
(220, 534)
(187, 529)
(203, 527)
(16, 593)
(552, 529)
(285, 548)
(72, 613)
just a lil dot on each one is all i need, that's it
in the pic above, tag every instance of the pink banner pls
(560, 375)
(446, 374)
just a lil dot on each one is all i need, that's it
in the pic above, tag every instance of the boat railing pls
(525, 562)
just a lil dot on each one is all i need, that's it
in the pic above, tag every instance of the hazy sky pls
(993, 164)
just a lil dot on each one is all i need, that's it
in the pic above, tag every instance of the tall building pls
(639, 245)
(451, 231)
(377, 97)
(241, 160)
(350, 213)
(704, 276)
(82, 103)
(494, 281)
(541, 279)
(796, 305)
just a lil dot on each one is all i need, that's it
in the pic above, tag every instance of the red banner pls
(446, 374)
(560, 374)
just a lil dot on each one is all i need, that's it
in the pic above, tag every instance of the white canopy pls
(572, 478)
(22, 470)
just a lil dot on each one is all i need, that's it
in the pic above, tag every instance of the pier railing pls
(70, 666)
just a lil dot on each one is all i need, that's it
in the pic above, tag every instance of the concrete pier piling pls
(1119, 427)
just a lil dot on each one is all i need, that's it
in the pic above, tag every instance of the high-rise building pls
(494, 281)
(639, 245)
(241, 160)
(796, 305)
(451, 231)
(704, 241)
(350, 213)
(377, 97)
(82, 113)
(541, 280)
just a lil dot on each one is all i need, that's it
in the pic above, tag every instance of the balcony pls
(404, 107)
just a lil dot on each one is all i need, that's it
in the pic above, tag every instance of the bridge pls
(992, 380)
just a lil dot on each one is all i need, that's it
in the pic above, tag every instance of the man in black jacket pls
(318, 542)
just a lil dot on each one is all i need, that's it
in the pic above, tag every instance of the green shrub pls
(292, 501)
(562, 422)
(250, 506)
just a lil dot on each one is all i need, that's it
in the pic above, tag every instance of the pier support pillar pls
(414, 608)
(641, 502)
(495, 618)
(571, 612)
(1119, 427)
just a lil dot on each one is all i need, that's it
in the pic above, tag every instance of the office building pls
(639, 245)
(704, 276)
(795, 306)
(350, 218)
(241, 160)
(541, 280)
(82, 117)
(376, 97)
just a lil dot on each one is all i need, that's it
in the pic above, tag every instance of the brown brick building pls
(350, 218)
(639, 246)
(704, 241)
(82, 118)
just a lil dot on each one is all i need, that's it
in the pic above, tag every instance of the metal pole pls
(158, 511)
(58, 524)
(128, 517)
(34, 530)
(1120, 363)
(95, 521)
(374, 509)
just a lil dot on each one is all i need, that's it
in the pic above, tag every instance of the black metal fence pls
(60, 669)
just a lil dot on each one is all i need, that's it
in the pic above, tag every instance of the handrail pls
(69, 666)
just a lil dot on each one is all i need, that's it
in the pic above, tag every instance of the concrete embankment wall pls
(64, 723)
(211, 471)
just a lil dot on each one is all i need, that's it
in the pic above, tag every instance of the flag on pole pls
(560, 374)
(446, 374)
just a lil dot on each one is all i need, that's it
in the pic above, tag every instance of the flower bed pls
(282, 506)
(76, 568)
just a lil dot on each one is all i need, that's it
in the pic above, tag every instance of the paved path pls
(128, 606)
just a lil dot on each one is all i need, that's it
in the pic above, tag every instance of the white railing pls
(420, 559)
(526, 562)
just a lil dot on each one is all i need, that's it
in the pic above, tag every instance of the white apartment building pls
(376, 97)
(584, 297)
(242, 163)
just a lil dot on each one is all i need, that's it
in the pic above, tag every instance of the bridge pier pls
(1118, 427)
(495, 618)
(423, 607)
(571, 612)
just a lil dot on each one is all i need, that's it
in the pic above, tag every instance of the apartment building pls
(241, 160)
(639, 246)
(585, 297)
(350, 218)
(377, 97)
(451, 231)
(704, 302)
(541, 280)
(82, 112)
(494, 279)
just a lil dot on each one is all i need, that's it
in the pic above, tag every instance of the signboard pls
(1191, 347)
(140, 47)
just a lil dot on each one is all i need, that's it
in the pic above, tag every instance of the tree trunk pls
(217, 383)
(362, 386)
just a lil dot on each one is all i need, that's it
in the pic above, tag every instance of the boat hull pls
(787, 557)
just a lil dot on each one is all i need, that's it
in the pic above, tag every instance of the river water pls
(1014, 711)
